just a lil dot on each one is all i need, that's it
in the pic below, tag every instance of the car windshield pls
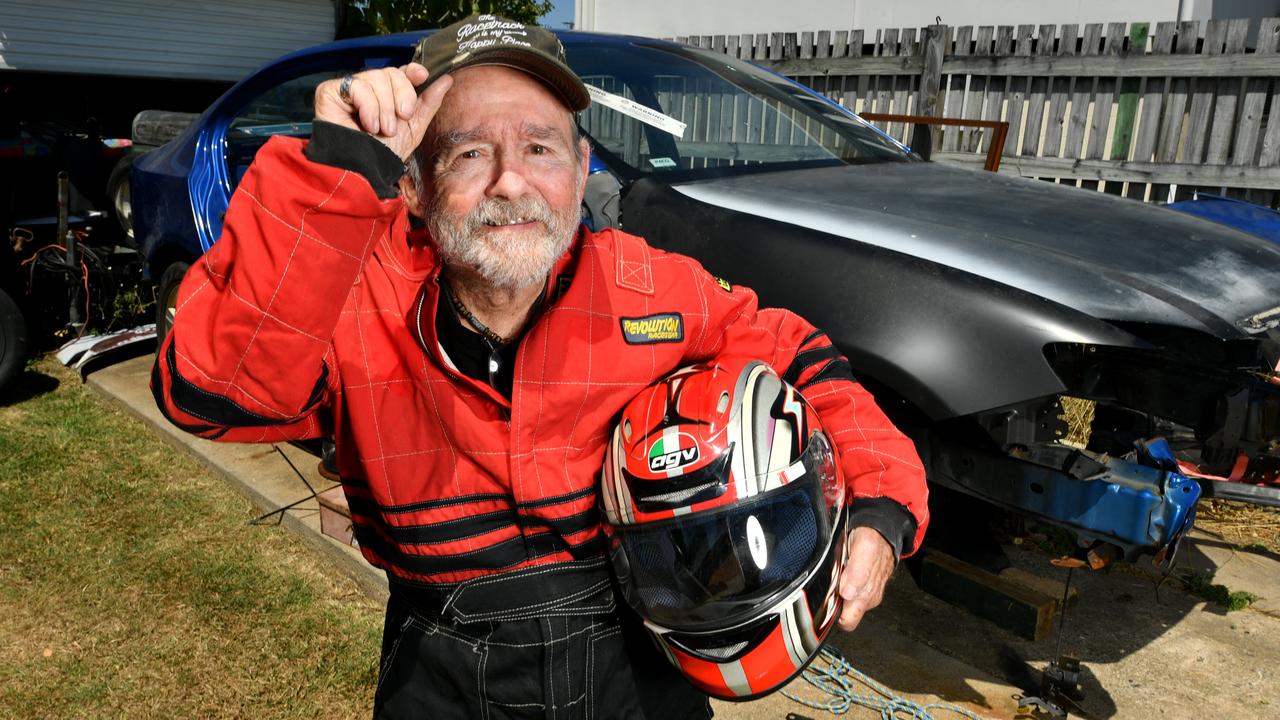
(663, 109)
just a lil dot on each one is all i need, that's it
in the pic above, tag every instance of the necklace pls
(494, 339)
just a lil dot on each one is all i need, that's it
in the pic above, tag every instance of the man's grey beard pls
(513, 263)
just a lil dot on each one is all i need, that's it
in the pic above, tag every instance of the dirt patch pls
(1248, 526)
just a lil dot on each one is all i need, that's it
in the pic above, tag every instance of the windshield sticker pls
(662, 162)
(631, 108)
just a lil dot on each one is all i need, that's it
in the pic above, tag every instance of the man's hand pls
(864, 576)
(383, 104)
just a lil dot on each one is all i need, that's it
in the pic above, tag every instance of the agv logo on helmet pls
(673, 453)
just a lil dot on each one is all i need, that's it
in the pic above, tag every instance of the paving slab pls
(1149, 649)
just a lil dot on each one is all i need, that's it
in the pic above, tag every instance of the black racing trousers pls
(539, 643)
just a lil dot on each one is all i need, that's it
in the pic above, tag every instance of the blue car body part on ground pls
(1249, 217)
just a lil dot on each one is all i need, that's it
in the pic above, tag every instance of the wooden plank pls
(1082, 96)
(1020, 609)
(1018, 90)
(1082, 99)
(760, 48)
(790, 45)
(930, 102)
(861, 84)
(728, 117)
(1255, 101)
(856, 44)
(1203, 90)
(840, 45)
(1104, 95)
(806, 49)
(718, 44)
(1038, 92)
(1271, 139)
(902, 84)
(822, 48)
(775, 47)
(1175, 107)
(884, 91)
(1224, 109)
(1148, 129)
(997, 86)
(1058, 95)
(1236, 176)
(1223, 66)
(975, 98)
(958, 85)
(731, 45)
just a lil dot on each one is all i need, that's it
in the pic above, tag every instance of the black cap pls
(493, 40)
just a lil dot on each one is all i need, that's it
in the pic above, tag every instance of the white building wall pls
(671, 18)
(210, 40)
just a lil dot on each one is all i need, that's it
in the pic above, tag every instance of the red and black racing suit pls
(316, 313)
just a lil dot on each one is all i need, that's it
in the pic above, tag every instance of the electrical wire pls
(834, 676)
(89, 263)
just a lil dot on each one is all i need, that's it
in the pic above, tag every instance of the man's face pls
(503, 183)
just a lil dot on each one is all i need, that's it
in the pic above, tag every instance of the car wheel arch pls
(929, 325)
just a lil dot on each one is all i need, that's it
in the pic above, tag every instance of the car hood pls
(1115, 259)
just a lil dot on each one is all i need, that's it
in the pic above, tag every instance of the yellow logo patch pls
(664, 327)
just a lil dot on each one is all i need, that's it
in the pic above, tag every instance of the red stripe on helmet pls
(769, 664)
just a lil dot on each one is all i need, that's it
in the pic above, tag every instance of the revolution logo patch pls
(673, 453)
(664, 327)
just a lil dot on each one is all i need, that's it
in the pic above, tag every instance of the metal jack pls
(1060, 692)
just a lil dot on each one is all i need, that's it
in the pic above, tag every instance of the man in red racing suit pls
(471, 467)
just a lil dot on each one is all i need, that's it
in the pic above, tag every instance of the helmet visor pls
(717, 567)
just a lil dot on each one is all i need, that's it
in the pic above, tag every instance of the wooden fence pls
(1118, 108)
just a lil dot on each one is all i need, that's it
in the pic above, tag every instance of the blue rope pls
(833, 675)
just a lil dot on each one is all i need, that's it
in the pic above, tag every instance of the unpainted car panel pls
(918, 327)
(1104, 256)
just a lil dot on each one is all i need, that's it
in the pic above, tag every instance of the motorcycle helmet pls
(725, 515)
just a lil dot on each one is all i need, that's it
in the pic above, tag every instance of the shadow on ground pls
(1120, 629)
(30, 384)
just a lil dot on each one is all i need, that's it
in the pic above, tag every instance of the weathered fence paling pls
(1134, 109)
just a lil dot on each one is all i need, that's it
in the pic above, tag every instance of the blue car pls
(1087, 361)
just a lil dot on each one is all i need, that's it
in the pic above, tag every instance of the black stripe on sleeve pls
(221, 410)
(359, 152)
(211, 432)
(838, 369)
(807, 359)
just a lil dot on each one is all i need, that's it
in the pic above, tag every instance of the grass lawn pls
(130, 585)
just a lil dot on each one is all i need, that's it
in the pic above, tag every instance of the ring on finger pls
(344, 88)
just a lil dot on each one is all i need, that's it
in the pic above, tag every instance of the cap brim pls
(567, 85)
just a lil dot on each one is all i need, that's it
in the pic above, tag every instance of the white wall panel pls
(672, 18)
(211, 40)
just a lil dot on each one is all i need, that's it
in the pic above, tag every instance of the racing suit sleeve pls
(879, 463)
(248, 358)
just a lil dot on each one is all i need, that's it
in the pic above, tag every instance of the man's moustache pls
(493, 211)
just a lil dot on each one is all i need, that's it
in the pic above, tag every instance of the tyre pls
(167, 298)
(119, 194)
(13, 342)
